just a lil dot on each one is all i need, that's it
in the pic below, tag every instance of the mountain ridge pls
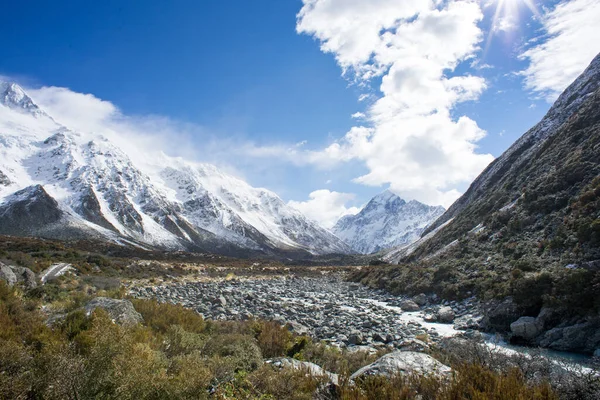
(95, 189)
(386, 221)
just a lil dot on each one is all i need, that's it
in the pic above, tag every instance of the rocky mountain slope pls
(386, 221)
(59, 183)
(527, 231)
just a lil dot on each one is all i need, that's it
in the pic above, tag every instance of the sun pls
(506, 15)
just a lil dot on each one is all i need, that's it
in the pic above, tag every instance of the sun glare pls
(506, 16)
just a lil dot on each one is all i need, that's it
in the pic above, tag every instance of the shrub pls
(273, 339)
(160, 317)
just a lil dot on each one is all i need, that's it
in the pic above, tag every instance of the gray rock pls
(548, 318)
(430, 317)
(413, 345)
(445, 315)
(526, 328)
(355, 338)
(121, 312)
(466, 322)
(311, 368)
(7, 275)
(405, 363)
(298, 328)
(499, 315)
(26, 276)
(583, 337)
(420, 299)
(409, 306)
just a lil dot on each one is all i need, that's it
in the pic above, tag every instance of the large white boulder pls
(121, 312)
(311, 368)
(404, 362)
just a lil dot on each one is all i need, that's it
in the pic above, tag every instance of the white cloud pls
(411, 143)
(140, 136)
(505, 23)
(358, 115)
(573, 30)
(325, 207)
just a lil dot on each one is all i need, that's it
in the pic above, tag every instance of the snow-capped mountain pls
(59, 183)
(386, 221)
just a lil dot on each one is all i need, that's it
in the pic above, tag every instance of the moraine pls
(330, 309)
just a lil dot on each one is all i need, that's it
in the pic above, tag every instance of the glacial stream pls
(330, 309)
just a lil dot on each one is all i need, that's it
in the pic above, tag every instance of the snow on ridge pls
(96, 182)
(385, 222)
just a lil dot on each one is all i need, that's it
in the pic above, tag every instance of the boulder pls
(499, 315)
(405, 363)
(362, 349)
(7, 275)
(445, 315)
(413, 345)
(355, 338)
(526, 328)
(13, 275)
(297, 328)
(430, 317)
(409, 306)
(121, 312)
(420, 299)
(311, 368)
(26, 276)
(583, 337)
(466, 322)
(548, 318)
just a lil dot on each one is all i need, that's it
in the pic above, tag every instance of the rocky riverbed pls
(325, 307)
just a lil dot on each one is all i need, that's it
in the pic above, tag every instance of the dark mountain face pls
(30, 209)
(4, 181)
(527, 231)
(514, 160)
(537, 183)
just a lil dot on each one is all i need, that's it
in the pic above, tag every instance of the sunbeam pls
(506, 16)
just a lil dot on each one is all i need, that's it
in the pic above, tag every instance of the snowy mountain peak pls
(13, 96)
(386, 221)
(58, 183)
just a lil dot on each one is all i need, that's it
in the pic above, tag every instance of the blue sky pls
(258, 87)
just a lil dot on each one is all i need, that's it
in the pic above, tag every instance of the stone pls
(7, 275)
(597, 353)
(582, 338)
(548, 318)
(409, 306)
(121, 312)
(297, 328)
(311, 368)
(467, 322)
(404, 363)
(26, 276)
(430, 317)
(362, 349)
(355, 338)
(413, 345)
(420, 299)
(526, 328)
(445, 315)
(499, 315)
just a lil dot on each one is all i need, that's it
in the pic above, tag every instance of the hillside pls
(528, 229)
